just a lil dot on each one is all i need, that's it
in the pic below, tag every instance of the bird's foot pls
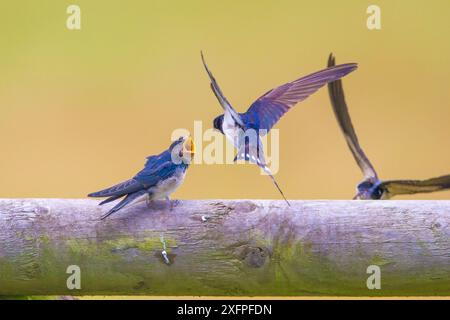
(172, 203)
(149, 203)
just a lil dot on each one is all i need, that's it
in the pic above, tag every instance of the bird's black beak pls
(217, 123)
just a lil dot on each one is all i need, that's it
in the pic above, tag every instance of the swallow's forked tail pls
(253, 152)
(129, 198)
(267, 170)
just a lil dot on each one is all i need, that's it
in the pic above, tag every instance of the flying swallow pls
(372, 188)
(244, 129)
(161, 176)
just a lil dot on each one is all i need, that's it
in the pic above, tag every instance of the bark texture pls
(225, 247)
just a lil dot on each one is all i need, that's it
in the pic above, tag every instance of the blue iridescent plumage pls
(162, 175)
(265, 112)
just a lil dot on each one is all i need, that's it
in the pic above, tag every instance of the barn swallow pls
(244, 129)
(161, 176)
(372, 188)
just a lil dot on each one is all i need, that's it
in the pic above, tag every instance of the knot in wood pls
(252, 256)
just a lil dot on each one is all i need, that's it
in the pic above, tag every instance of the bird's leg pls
(171, 203)
(168, 202)
(149, 200)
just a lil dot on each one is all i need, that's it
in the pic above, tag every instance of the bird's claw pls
(149, 203)
(174, 203)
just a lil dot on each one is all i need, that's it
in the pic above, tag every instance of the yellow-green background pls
(80, 110)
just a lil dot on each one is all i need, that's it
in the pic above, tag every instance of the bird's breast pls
(230, 130)
(165, 187)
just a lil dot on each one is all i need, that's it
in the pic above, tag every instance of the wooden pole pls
(222, 247)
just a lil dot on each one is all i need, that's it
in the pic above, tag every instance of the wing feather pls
(397, 187)
(118, 190)
(337, 97)
(219, 95)
(147, 177)
(270, 107)
(150, 176)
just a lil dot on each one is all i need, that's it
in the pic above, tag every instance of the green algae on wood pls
(243, 248)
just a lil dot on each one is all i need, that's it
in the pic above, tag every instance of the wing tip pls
(341, 70)
(94, 195)
(332, 63)
(99, 194)
(348, 66)
(331, 60)
(204, 61)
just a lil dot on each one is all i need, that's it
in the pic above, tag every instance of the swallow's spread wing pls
(219, 95)
(396, 187)
(340, 109)
(269, 108)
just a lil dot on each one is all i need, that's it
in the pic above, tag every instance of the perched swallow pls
(161, 176)
(244, 129)
(372, 188)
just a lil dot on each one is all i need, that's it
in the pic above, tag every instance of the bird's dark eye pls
(377, 193)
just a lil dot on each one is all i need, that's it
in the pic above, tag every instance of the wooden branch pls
(218, 247)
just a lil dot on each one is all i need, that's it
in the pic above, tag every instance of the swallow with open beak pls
(244, 129)
(161, 176)
(372, 188)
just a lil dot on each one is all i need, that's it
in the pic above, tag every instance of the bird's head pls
(218, 121)
(369, 190)
(182, 150)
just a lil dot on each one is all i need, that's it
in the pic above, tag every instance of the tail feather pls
(110, 199)
(253, 152)
(267, 170)
(128, 199)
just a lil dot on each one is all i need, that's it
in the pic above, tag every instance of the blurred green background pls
(80, 110)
